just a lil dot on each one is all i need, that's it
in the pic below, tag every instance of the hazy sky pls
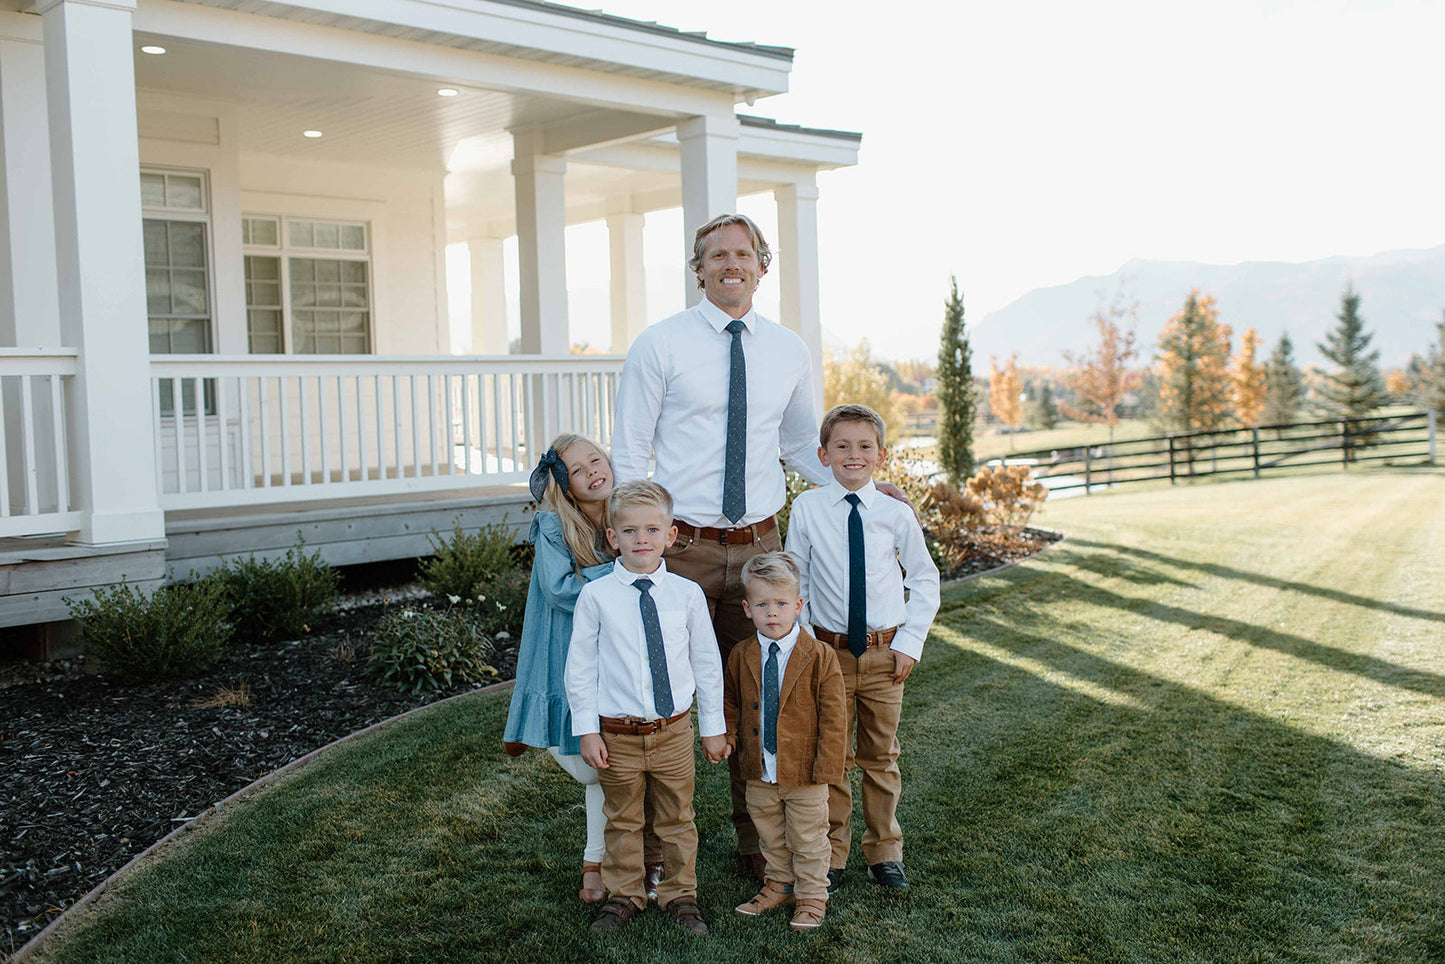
(1025, 144)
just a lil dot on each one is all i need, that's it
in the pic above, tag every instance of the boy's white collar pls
(629, 577)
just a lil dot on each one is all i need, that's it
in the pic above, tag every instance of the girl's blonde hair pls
(577, 529)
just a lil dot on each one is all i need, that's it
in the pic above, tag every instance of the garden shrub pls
(500, 602)
(419, 650)
(178, 630)
(278, 599)
(459, 564)
(1006, 494)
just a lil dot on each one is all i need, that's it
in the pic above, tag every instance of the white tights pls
(592, 795)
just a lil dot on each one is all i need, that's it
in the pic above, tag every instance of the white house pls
(223, 312)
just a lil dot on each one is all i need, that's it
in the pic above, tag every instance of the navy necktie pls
(656, 655)
(735, 456)
(857, 581)
(770, 700)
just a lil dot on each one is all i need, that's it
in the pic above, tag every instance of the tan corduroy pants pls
(792, 826)
(875, 703)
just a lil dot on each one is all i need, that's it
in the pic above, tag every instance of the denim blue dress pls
(539, 715)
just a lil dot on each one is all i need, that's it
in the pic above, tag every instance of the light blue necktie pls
(735, 456)
(656, 655)
(770, 700)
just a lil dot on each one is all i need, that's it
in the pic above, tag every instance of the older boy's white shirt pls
(607, 668)
(785, 649)
(673, 400)
(818, 541)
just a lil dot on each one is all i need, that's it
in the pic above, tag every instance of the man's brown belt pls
(728, 537)
(631, 726)
(840, 640)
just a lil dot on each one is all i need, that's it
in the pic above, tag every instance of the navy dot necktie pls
(770, 700)
(656, 655)
(857, 581)
(735, 457)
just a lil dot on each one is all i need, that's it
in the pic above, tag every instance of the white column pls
(541, 248)
(489, 296)
(90, 93)
(29, 286)
(629, 279)
(797, 263)
(709, 148)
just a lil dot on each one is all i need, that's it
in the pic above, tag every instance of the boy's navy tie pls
(656, 655)
(857, 581)
(770, 700)
(735, 455)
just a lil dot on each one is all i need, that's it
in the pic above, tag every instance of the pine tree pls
(1249, 380)
(1284, 385)
(956, 404)
(1194, 383)
(1043, 410)
(1430, 392)
(1354, 389)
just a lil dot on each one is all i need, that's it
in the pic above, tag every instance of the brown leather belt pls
(632, 726)
(728, 537)
(840, 640)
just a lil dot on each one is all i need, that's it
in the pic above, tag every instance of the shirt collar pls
(719, 319)
(866, 495)
(627, 577)
(785, 645)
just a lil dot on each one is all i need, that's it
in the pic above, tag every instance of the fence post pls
(1254, 441)
(1088, 453)
(1344, 443)
(1171, 460)
(1430, 422)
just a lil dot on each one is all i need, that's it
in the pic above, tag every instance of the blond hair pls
(852, 413)
(699, 241)
(773, 568)
(640, 493)
(577, 530)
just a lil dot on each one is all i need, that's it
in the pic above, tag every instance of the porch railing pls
(237, 430)
(35, 391)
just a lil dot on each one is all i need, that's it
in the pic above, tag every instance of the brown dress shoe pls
(808, 914)
(771, 896)
(684, 911)
(615, 913)
(755, 865)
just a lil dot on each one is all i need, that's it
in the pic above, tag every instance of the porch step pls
(37, 574)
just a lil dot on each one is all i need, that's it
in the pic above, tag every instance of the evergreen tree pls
(1354, 389)
(1194, 380)
(1430, 387)
(956, 404)
(1284, 389)
(1043, 410)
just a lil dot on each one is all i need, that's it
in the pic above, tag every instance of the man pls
(718, 393)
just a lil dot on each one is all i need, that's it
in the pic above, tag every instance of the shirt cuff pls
(909, 644)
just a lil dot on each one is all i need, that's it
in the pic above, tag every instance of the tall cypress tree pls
(1284, 385)
(956, 403)
(1354, 388)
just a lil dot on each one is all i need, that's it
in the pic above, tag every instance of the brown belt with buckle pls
(632, 726)
(840, 640)
(742, 535)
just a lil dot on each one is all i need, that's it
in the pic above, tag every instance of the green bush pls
(418, 650)
(499, 603)
(176, 631)
(460, 564)
(277, 599)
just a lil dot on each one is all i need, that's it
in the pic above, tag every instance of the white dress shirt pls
(607, 668)
(785, 648)
(673, 401)
(818, 542)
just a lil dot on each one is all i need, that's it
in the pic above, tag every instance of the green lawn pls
(1209, 726)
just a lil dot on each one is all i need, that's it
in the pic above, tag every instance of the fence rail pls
(248, 430)
(1396, 439)
(35, 399)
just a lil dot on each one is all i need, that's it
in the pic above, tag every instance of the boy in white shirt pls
(871, 590)
(642, 647)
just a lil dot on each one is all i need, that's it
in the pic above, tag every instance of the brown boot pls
(808, 914)
(615, 913)
(772, 895)
(684, 911)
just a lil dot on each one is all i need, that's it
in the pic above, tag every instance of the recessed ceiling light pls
(310, 133)
(447, 92)
(152, 49)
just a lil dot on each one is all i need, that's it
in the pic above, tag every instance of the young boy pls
(850, 543)
(784, 706)
(642, 647)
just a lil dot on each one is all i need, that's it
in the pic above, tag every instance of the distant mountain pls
(1402, 295)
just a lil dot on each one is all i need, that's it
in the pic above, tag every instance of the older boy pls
(642, 647)
(871, 590)
(784, 706)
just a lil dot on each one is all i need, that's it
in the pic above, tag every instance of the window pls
(308, 286)
(176, 224)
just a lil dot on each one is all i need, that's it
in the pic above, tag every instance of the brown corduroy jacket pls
(812, 715)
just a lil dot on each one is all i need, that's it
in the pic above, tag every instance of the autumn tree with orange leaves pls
(1195, 388)
(1100, 377)
(1003, 394)
(1250, 387)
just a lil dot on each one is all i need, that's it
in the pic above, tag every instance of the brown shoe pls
(772, 895)
(651, 877)
(808, 914)
(615, 913)
(592, 890)
(755, 865)
(684, 911)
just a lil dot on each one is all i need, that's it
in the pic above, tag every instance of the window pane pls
(327, 321)
(263, 269)
(353, 344)
(158, 291)
(303, 269)
(305, 344)
(353, 237)
(265, 231)
(353, 322)
(262, 321)
(300, 234)
(353, 296)
(153, 190)
(303, 296)
(157, 249)
(188, 244)
(160, 337)
(353, 271)
(189, 337)
(266, 293)
(265, 345)
(184, 191)
(328, 296)
(326, 236)
(328, 271)
(188, 292)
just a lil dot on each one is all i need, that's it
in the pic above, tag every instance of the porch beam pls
(541, 248)
(709, 151)
(489, 296)
(797, 266)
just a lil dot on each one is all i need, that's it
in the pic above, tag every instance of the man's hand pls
(594, 751)
(716, 748)
(902, 666)
(894, 492)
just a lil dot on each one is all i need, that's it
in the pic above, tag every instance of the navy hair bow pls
(550, 464)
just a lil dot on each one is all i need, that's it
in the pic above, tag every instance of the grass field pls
(1209, 726)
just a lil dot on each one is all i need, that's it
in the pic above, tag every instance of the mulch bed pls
(93, 771)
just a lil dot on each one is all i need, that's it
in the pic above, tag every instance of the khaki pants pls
(657, 767)
(792, 825)
(718, 569)
(875, 703)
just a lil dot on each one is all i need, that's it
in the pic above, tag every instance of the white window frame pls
(284, 251)
(201, 215)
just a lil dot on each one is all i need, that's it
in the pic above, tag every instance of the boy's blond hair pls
(643, 492)
(577, 529)
(773, 568)
(852, 413)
